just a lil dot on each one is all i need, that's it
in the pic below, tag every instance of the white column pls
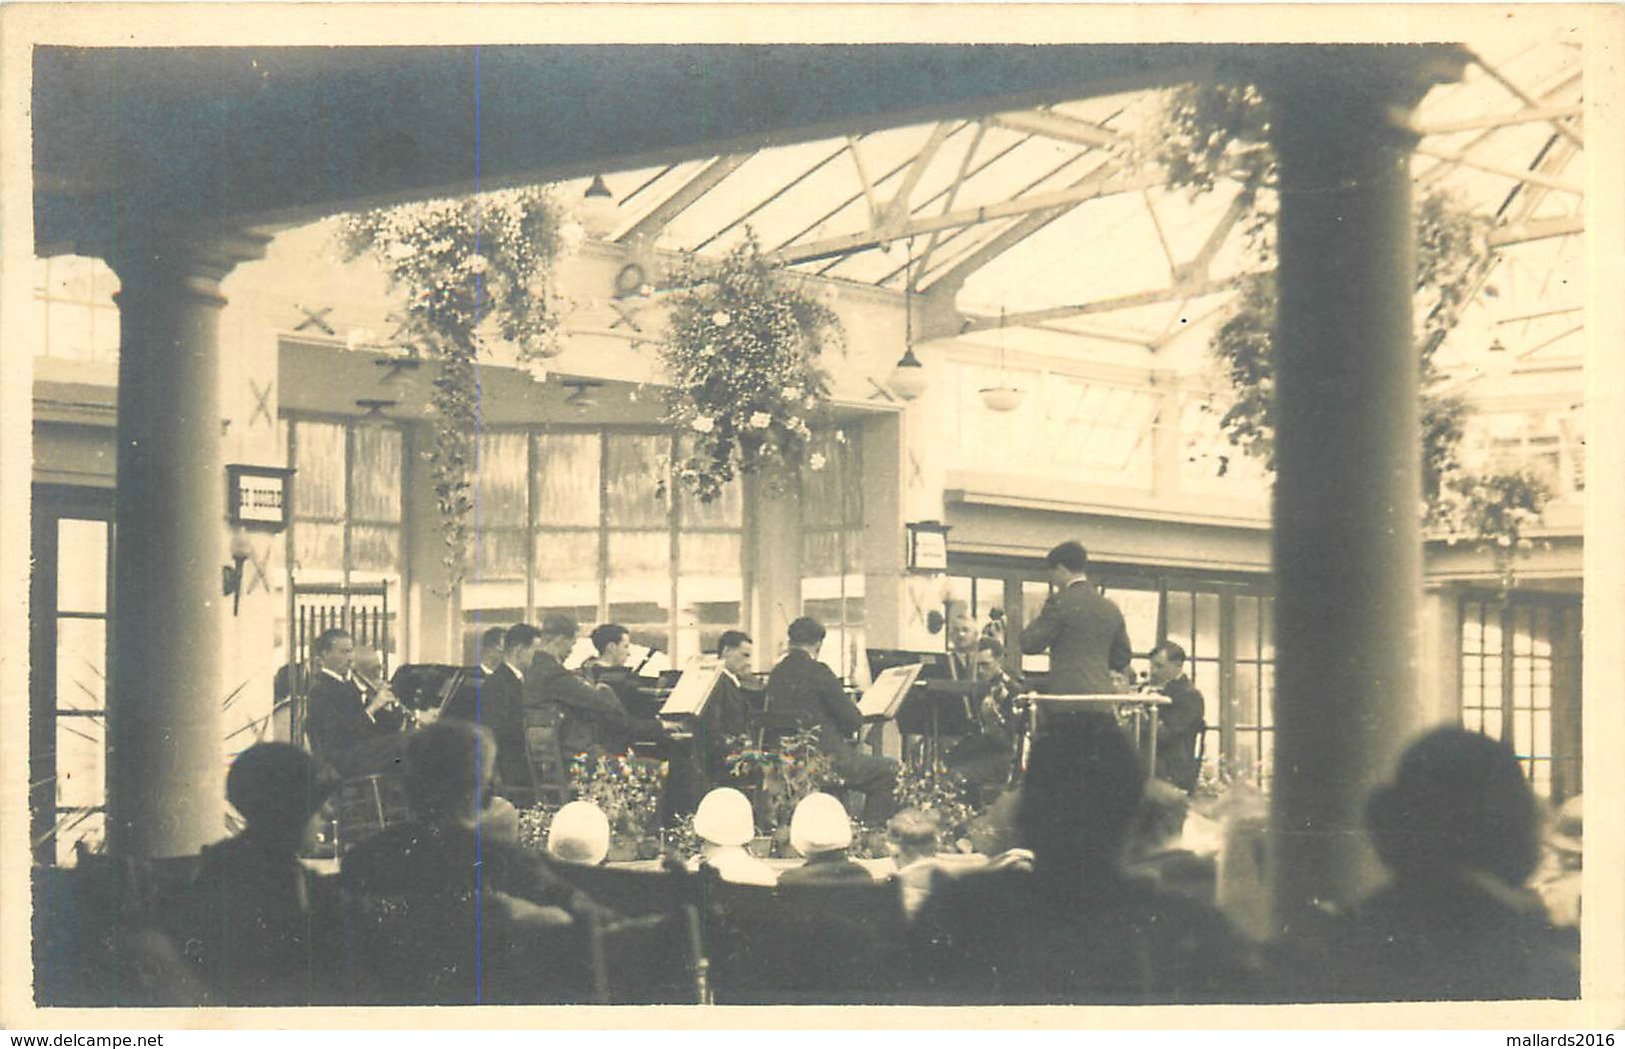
(165, 690)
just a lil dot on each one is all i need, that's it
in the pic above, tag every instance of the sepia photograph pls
(543, 509)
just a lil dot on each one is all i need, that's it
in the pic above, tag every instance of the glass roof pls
(1047, 217)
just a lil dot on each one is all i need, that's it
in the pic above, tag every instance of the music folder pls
(881, 699)
(689, 695)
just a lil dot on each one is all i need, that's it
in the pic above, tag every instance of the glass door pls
(69, 604)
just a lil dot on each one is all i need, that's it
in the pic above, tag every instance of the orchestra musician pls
(800, 684)
(703, 765)
(613, 643)
(353, 731)
(593, 716)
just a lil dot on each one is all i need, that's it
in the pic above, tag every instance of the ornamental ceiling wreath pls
(742, 348)
(469, 268)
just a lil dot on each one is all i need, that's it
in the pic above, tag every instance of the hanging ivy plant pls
(469, 269)
(1213, 131)
(742, 347)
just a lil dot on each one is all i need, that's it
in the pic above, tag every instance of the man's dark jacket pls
(592, 715)
(803, 686)
(337, 723)
(1086, 639)
(1180, 722)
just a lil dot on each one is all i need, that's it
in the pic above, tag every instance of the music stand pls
(692, 691)
(882, 698)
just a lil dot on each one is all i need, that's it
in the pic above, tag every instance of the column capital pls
(194, 257)
(1341, 100)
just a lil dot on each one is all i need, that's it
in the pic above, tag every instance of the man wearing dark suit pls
(499, 705)
(704, 763)
(592, 715)
(1083, 632)
(346, 730)
(1180, 722)
(800, 684)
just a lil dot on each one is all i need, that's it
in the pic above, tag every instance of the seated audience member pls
(821, 830)
(803, 686)
(1158, 850)
(448, 772)
(912, 837)
(579, 834)
(249, 916)
(1073, 929)
(492, 645)
(1558, 880)
(1459, 829)
(724, 824)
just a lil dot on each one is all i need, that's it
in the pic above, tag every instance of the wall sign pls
(257, 496)
(927, 546)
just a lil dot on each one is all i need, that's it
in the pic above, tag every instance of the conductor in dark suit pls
(592, 715)
(1083, 632)
(1180, 722)
(800, 684)
(348, 730)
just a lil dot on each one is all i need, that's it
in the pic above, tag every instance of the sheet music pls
(689, 695)
(881, 699)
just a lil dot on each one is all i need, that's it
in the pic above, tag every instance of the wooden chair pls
(365, 805)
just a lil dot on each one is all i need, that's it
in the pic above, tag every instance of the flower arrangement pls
(1494, 510)
(534, 824)
(788, 773)
(742, 348)
(627, 789)
(468, 268)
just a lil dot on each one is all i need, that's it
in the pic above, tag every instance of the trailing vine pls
(469, 269)
(742, 347)
(1215, 131)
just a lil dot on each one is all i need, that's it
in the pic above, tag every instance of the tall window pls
(74, 310)
(347, 495)
(1509, 660)
(575, 522)
(832, 589)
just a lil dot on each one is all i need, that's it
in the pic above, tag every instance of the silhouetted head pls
(1458, 802)
(1078, 801)
(448, 767)
(275, 788)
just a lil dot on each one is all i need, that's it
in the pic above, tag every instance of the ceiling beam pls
(1120, 302)
(952, 195)
(1537, 229)
(897, 209)
(1063, 129)
(853, 242)
(708, 178)
(1534, 178)
(1497, 120)
(1517, 92)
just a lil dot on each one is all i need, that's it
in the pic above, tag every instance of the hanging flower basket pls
(468, 269)
(743, 347)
